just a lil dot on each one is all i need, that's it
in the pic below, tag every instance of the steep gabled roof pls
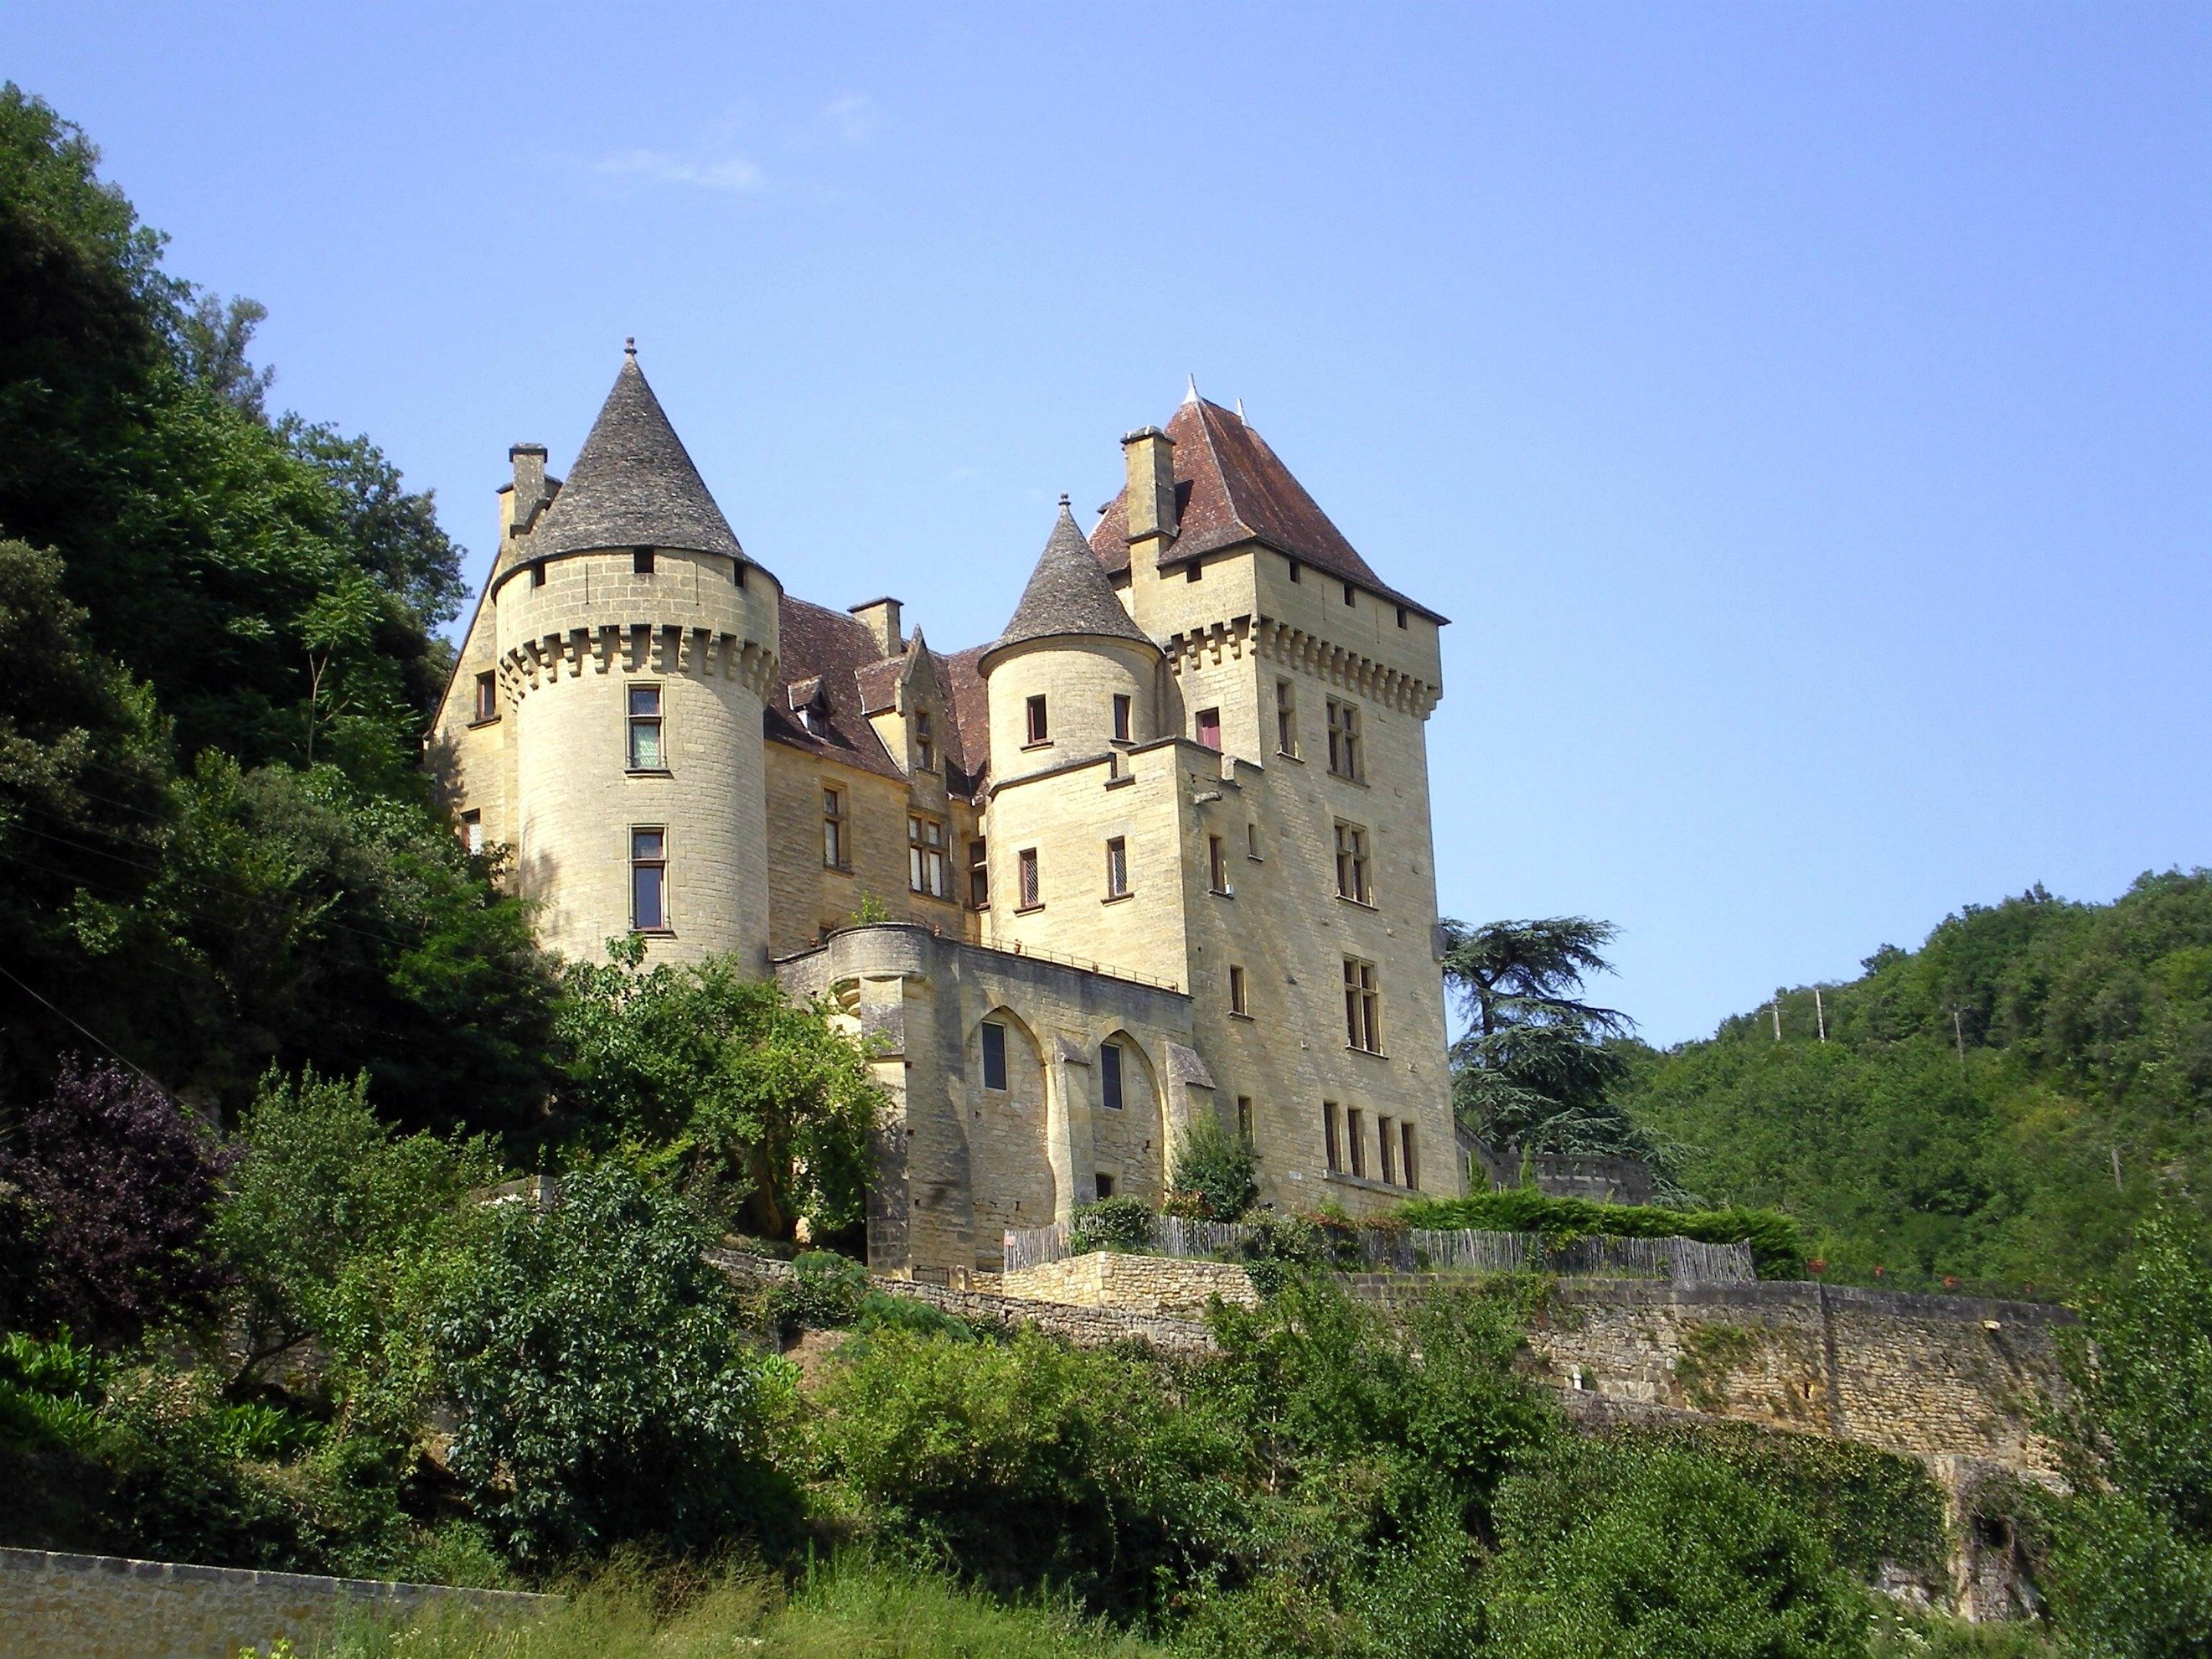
(1068, 594)
(1231, 487)
(830, 661)
(634, 484)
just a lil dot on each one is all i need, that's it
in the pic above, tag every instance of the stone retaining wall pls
(1149, 1285)
(104, 1606)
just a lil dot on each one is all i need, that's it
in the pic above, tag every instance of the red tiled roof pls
(1229, 488)
(830, 660)
(971, 711)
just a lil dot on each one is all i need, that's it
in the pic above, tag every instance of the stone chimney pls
(881, 617)
(1149, 454)
(529, 494)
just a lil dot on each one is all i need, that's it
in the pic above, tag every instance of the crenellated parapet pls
(636, 647)
(1268, 639)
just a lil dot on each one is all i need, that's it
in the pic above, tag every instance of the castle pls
(1159, 850)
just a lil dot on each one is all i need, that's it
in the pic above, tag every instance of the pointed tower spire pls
(634, 484)
(1191, 396)
(1068, 594)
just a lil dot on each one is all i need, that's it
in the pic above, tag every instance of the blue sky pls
(1805, 413)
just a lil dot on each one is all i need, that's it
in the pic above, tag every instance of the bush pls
(603, 1388)
(1777, 1245)
(118, 1185)
(1618, 1547)
(1111, 1224)
(1279, 1248)
(825, 1290)
(1216, 1169)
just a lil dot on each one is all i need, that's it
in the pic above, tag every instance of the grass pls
(853, 1608)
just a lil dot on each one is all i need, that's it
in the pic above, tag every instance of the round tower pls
(638, 645)
(1072, 676)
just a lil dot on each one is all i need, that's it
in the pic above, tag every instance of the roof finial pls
(629, 345)
(1063, 501)
(1191, 396)
(1240, 409)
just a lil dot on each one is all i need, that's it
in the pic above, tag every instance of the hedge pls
(1776, 1246)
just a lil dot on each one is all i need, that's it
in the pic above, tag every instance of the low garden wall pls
(1148, 1284)
(104, 1606)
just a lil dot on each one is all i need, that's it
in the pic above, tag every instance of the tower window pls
(833, 830)
(640, 561)
(1217, 863)
(538, 574)
(647, 753)
(1401, 623)
(1117, 868)
(648, 880)
(1286, 720)
(487, 708)
(925, 839)
(1351, 594)
(1352, 864)
(995, 1055)
(1332, 1136)
(1040, 729)
(1120, 718)
(1194, 571)
(1025, 862)
(1363, 1007)
(1209, 729)
(1343, 739)
(1237, 999)
(979, 875)
(1109, 1075)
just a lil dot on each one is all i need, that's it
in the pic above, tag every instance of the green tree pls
(604, 1388)
(2130, 1570)
(1538, 1065)
(726, 1083)
(1215, 1169)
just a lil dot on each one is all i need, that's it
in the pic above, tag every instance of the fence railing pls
(1682, 1261)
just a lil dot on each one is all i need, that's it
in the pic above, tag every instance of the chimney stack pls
(530, 494)
(882, 619)
(1150, 455)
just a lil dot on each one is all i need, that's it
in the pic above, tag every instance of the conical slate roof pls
(633, 484)
(1068, 594)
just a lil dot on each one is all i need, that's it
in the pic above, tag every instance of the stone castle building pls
(1159, 850)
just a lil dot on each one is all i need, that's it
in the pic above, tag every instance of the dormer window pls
(925, 747)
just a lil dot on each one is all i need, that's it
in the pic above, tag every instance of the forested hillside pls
(1999, 1105)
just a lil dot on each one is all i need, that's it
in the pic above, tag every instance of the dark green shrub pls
(1216, 1169)
(1777, 1245)
(1111, 1224)
(1278, 1247)
(825, 1290)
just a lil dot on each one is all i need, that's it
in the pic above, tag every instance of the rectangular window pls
(1297, 575)
(1409, 1168)
(641, 562)
(1245, 1118)
(1362, 1021)
(833, 829)
(1120, 718)
(1386, 1149)
(1105, 1184)
(1343, 739)
(1209, 729)
(1401, 623)
(1332, 1134)
(1109, 1075)
(979, 875)
(1217, 863)
(995, 1055)
(1355, 1132)
(645, 753)
(1040, 729)
(1350, 594)
(472, 833)
(1286, 720)
(1351, 881)
(925, 744)
(1252, 840)
(1026, 862)
(648, 880)
(1194, 571)
(538, 574)
(924, 855)
(487, 697)
(1117, 868)
(1237, 1003)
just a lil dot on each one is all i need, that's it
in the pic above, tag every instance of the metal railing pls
(1680, 1260)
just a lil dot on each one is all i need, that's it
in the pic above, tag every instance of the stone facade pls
(99, 1606)
(1141, 843)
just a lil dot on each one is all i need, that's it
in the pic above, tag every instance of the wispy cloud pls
(734, 174)
(851, 116)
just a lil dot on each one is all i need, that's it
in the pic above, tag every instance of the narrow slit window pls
(979, 875)
(538, 574)
(487, 696)
(1355, 1124)
(1351, 594)
(1297, 575)
(1237, 995)
(1332, 1130)
(1409, 1166)
(1117, 868)
(1109, 1075)
(833, 829)
(648, 880)
(995, 1055)
(1401, 616)
(1245, 1118)
(1286, 720)
(1217, 863)
(1026, 862)
(1040, 727)
(1122, 705)
(1386, 1151)
(924, 742)
(647, 753)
